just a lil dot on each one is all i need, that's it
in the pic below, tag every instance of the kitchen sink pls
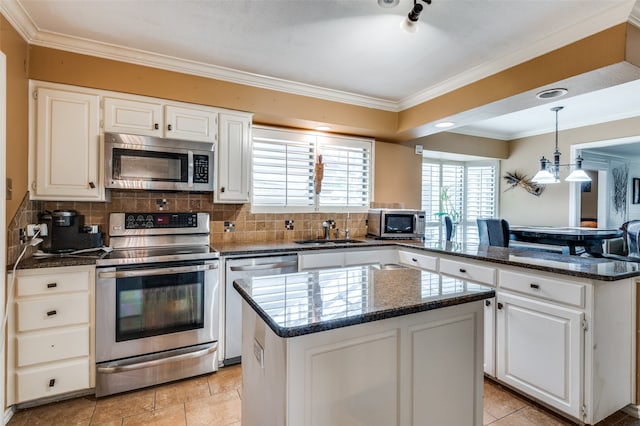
(325, 241)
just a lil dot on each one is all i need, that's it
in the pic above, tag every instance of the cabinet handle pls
(413, 259)
(536, 286)
(464, 271)
(487, 303)
(156, 126)
(52, 383)
(92, 185)
(169, 127)
(500, 305)
(222, 189)
(52, 285)
(51, 313)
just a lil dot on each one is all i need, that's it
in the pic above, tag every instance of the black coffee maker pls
(67, 232)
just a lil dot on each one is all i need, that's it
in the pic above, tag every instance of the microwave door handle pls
(415, 223)
(190, 169)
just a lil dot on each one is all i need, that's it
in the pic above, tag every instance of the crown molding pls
(23, 23)
(614, 16)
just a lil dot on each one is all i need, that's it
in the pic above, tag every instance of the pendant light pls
(550, 171)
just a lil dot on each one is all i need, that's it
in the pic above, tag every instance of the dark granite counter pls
(309, 302)
(602, 269)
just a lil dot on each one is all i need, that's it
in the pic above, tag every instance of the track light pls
(410, 24)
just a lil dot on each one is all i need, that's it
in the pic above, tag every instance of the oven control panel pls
(160, 220)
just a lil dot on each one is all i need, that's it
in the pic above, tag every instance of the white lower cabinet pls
(540, 350)
(336, 258)
(51, 337)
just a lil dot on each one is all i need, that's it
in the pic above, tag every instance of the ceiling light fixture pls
(552, 93)
(410, 24)
(445, 124)
(388, 3)
(550, 171)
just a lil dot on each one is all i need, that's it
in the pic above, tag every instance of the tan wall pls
(16, 50)
(398, 173)
(552, 207)
(463, 144)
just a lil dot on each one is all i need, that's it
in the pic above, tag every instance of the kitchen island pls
(362, 345)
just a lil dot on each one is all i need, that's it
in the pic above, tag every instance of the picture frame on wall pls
(635, 191)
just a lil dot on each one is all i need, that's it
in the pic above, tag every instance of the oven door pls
(145, 309)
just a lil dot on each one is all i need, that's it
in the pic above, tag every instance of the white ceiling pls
(347, 50)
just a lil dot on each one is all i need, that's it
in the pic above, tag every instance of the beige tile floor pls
(215, 400)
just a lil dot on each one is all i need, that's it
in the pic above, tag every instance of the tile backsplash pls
(229, 222)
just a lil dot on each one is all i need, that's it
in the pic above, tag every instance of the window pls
(464, 191)
(284, 171)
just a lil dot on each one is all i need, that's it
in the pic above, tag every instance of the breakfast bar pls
(362, 345)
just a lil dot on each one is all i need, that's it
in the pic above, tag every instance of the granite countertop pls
(602, 269)
(309, 302)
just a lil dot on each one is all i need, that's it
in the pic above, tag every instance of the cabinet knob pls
(169, 127)
(500, 305)
(156, 126)
(52, 383)
(487, 303)
(535, 286)
(464, 271)
(222, 189)
(92, 185)
(51, 313)
(52, 285)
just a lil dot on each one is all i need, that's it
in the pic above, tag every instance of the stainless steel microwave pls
(396, 223)
(152, 163)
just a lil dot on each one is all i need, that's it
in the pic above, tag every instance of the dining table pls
(590, 239)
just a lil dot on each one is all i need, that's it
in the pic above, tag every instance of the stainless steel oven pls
(157, 307)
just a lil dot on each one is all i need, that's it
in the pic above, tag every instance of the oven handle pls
(263, 267)
(157, 271)
(157, 362)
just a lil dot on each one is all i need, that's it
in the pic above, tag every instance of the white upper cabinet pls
(175, 121)
(65, 154)
(233, 158)
(137, 117)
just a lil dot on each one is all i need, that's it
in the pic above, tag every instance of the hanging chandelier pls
(550, 170)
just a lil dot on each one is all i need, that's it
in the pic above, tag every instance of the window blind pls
(283, 171)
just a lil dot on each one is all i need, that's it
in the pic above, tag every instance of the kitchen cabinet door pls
(192, 124)
(540, 350)
(133, 116)
(67, 147)
(233, 158)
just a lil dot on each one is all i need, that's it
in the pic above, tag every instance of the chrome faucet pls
(327, 225)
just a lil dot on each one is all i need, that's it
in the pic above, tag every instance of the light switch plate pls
(419, 149)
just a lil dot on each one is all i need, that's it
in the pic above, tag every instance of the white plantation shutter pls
(284, 171)
(472, 191)
(481, 197)
(347, 171)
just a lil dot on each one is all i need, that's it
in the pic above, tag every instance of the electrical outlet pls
(33, 228)
(258, 352)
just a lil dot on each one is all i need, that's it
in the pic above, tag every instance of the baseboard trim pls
(8, 414)
(632, 410)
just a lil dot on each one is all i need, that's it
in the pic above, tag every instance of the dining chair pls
(493, 232)
(448, 224)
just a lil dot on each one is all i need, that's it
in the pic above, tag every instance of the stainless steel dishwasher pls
(239, 268)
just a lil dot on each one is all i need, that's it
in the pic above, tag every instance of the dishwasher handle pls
(263, 267)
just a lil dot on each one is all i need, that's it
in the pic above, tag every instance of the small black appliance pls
(67, 232)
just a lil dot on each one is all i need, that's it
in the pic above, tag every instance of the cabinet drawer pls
(366, 257)
(35, 348)
(54, 379)
(546, 288)
(55, 311)
(321, 260)
(41, 284)
(418, 260)
(468, 271)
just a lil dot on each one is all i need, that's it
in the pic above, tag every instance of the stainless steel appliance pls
(67, 233)
(146, 162)
(157, 301)
(245, 268)
(396, 223)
